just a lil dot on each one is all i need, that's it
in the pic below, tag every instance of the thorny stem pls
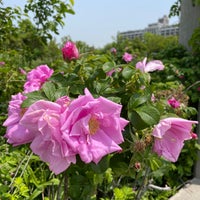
(143, 186)
(197, 82)
(59, 188)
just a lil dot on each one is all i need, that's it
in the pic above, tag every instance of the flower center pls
(93, 125)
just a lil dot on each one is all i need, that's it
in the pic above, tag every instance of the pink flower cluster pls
(170, 135)
(36, 78)
(70, 51)
(58, 131)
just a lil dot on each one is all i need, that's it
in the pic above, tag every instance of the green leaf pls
(136, 120)
(155, 163)
(102, 166)
(149, 114)
(144, 116)
(49, 90)
(32, 98)
(127, 72)
(72, 2)
(108, 66)
(137, 100)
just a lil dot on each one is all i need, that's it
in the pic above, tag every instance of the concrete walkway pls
(190, 191)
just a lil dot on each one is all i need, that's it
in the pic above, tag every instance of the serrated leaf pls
(149, 114)
(32, 98)
(137, 100)
(49, 90)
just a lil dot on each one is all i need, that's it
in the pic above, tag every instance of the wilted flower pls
(173, 103)
(127, 57)
(150, 66)
(36, 77)
(170, 135)
(42, 119)
(70, 51)
(93, 127)
(16, 133)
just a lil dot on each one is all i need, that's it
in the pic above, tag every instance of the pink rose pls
(70, 51)
(93, 127)
(16, 133)
(173, 103)
(127, 57)
(42, 119)
(170, 135)
(36, 77)
(150, 66)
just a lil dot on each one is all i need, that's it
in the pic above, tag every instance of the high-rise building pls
(162, 27)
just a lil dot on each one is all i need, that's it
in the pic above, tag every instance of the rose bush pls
(100, 125)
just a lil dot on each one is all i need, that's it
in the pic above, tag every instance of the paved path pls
(190, 191)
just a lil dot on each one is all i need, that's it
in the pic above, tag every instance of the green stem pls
(143, 186)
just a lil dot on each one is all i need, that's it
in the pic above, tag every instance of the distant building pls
(162, 27)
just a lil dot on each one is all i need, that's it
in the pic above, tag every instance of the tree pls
(189, 21)
(48, 15)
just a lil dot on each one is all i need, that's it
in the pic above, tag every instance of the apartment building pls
(161, 27)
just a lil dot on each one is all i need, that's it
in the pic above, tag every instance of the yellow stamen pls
(93, 125)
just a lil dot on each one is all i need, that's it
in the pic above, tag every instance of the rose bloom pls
(127, 57)
(42, 119)
(37, 77)
(16, 133)
(150, 66)
(93, 127)
(170, 135)
(70, 51)
(173, 103)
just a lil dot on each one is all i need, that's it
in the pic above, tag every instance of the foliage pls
(49, 14)
(195, 41)
(175, 9)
